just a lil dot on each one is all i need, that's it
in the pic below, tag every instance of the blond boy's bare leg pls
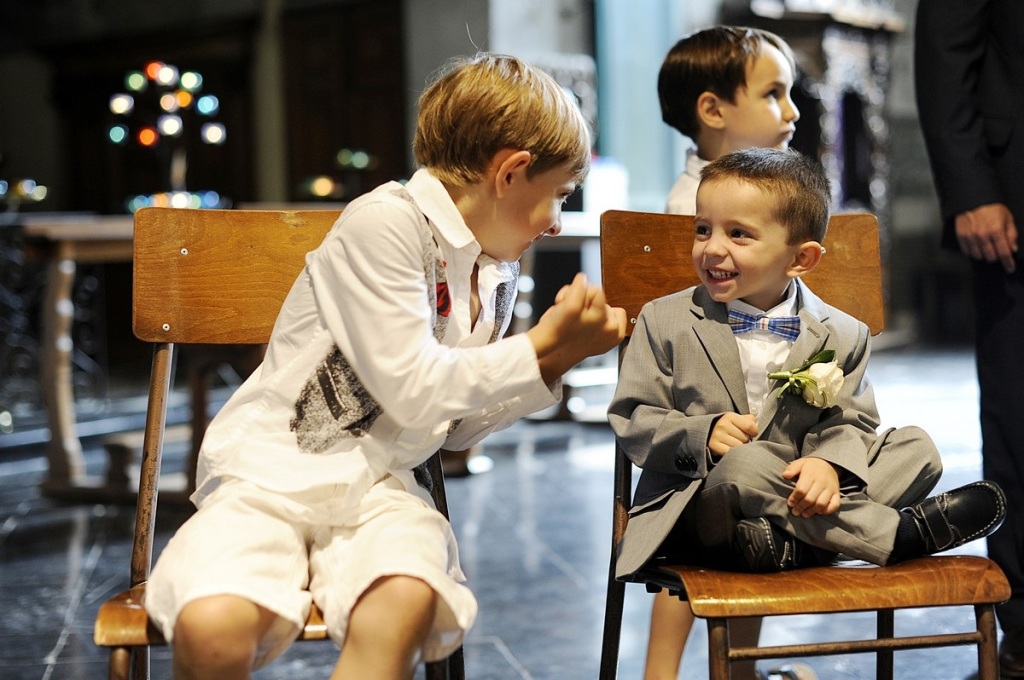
(671, 620)
(217, 637)
(387, 629)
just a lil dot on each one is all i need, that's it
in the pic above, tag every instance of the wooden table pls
(64, 243)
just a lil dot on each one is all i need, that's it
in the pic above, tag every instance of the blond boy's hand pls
(731, 429)
(579, 324)
(817, 487)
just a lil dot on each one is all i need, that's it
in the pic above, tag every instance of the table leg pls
(64, 451)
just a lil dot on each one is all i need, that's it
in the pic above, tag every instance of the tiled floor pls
(534, 538)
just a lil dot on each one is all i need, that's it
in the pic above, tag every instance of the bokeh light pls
(191, 81)
(147, 136)
(213, 133)
(118, 134)
(152, 69)
(167, 75)
(169, 126)
(168, 102)
(207, 105)
(135, 81)
(121, 104)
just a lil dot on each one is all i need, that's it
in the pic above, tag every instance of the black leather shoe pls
(764, 547)
(959, 516)
(1011, 653)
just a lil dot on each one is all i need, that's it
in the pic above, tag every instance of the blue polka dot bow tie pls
(787, 327)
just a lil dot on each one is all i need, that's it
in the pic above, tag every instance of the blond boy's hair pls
(796, 184)
(477, 106)
(710, 60)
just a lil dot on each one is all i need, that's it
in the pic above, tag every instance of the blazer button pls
(686, 463)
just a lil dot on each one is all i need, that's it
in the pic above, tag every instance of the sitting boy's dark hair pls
(797, 184)
(710, 60)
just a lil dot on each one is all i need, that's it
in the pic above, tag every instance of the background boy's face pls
(762, 113)
(740, 251)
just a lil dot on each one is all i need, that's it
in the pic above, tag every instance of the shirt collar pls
(694, 164)
(787, 307)
(437, 204)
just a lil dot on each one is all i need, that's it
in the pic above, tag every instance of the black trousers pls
(999, 341)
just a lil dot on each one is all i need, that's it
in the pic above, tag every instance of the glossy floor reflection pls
(534, 536)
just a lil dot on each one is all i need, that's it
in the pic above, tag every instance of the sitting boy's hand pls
(579, 324)
(817, 487)
(731, 429)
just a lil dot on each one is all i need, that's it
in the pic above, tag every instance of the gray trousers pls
(903, 467)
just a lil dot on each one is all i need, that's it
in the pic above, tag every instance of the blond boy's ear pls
(507, 166)
(709, 111)
(807, 257)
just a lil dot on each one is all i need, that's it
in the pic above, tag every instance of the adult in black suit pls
(969, 57)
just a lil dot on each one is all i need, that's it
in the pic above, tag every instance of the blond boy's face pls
(763, 114)
(531, 210)
(740, 250)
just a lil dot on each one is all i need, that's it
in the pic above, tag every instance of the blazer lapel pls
(713, 331)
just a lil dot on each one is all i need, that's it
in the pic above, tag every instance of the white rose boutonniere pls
(818, 379)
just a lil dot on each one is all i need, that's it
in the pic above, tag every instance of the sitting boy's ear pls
(509, 164)
(807, 257)
(709, 111)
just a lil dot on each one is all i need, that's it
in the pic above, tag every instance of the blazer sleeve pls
(652, 429)
(949, 47)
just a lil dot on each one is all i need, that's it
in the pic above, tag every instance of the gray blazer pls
(682, 370)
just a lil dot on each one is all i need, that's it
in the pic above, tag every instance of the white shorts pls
(283, 551)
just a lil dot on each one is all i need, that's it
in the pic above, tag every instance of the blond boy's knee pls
(221, 631)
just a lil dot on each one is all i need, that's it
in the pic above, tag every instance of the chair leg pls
(120, 663)
(988, 651)
(437, 670)
(886, 628)
(452, 668)
(457, 665)
(718, 649)
(612, 628)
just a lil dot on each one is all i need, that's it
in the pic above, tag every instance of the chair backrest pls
(647, 255)
(218, 276)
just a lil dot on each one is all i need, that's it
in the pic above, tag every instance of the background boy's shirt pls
(682, 197)
(373, 365)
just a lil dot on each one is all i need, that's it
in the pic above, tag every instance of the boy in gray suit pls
(738, 473)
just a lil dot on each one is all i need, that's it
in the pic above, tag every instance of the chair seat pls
(927, 582)
(122, 622)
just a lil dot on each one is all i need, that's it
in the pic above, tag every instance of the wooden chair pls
(644, 256)
(211, 277)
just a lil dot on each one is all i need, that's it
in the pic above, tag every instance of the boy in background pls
(725, 88)
(741, 475)
(389, 346)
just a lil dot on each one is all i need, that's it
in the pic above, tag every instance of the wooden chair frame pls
(208, 277)
(647, 255)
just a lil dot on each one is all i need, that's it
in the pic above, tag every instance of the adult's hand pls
(988, 233)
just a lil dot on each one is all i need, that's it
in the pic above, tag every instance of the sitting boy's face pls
(529, 210)
(740, 251)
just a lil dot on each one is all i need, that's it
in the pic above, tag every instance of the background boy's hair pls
(479, 105)
(710, 60)
(797, 185)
